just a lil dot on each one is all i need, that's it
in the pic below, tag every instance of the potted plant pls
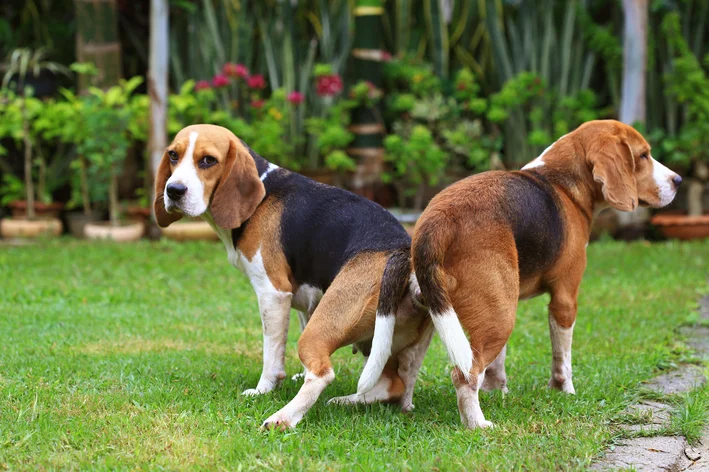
(688, 83)
(19, 110)
(105, 146)
(65, 121)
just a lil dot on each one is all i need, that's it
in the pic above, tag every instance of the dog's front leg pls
(275, 316)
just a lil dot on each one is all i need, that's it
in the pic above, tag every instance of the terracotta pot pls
(136, 213)
(680, 226)
(24, 228)
(42, 210)
(77, 220)
(131, 231)
(190, 231)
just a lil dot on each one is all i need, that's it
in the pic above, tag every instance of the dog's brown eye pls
(643, 155)
(173, 156)
(208, 161)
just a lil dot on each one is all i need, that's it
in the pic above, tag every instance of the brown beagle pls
(496, 237)
(340, 260)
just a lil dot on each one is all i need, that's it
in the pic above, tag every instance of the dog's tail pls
(431, 241)
(393, 287)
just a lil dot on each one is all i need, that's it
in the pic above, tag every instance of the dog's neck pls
(564, 166)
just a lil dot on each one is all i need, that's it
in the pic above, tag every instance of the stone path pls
(665, 453)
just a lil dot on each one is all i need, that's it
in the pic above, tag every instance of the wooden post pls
(157, 80)
(367, 127)
(632, 104)
(632, 101)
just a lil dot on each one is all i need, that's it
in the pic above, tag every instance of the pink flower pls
(328, 85)
(233, 70)
(258, 103)
(220, 80)
(242, 71)
(201, 85)
(386, 56)
(256, 82)
(296, 98)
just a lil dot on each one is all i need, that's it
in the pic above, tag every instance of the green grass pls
(134, 356)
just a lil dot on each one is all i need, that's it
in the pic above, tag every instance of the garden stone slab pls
(661, 453)
(698, 339)
(658, 415)
(687, 377)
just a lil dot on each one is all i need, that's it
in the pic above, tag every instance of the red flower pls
(386, 56)
(233, 70)
(242, 71)
(328, 85)
(462, 86)
(229, 69)
(201, 85)
(258, 103)
(220, 80)
(256, 82)
(296, 98)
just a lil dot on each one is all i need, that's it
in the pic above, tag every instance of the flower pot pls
(136, 213)
(76, 221)
(680, 226)
(131, 231)
(24, 228)
(41, 210)
(190, 231)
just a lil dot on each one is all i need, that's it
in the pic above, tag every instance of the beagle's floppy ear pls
(161, 215)
(613, 167)
(239, 191)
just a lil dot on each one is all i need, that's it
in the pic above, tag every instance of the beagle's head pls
(207, 169)
(621, 164)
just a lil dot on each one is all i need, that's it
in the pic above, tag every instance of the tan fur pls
(264, 233)
(162, 217)
(477, 267)
(232, 186)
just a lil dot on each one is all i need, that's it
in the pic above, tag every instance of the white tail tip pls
(453, 337)
(379, 355)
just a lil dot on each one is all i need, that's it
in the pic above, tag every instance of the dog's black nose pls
(176, 191)
(677, 180)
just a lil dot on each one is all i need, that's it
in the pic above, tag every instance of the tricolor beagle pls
(336, 258)
(496, 237)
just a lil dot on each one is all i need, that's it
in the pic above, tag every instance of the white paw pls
(484, 424)
(566, 386)
(407, 408)
(252, 392)
(347, 400)
(278, 421)
(298, 377)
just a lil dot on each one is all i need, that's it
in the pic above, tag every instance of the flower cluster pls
(232, 71)
(328, 85)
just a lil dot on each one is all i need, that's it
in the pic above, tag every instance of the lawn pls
(134, 357)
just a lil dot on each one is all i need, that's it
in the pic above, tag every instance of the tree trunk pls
(157, 80)
(84, 179)
(632, 104)
(29, 184)
(113, 197)
(367, 147)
